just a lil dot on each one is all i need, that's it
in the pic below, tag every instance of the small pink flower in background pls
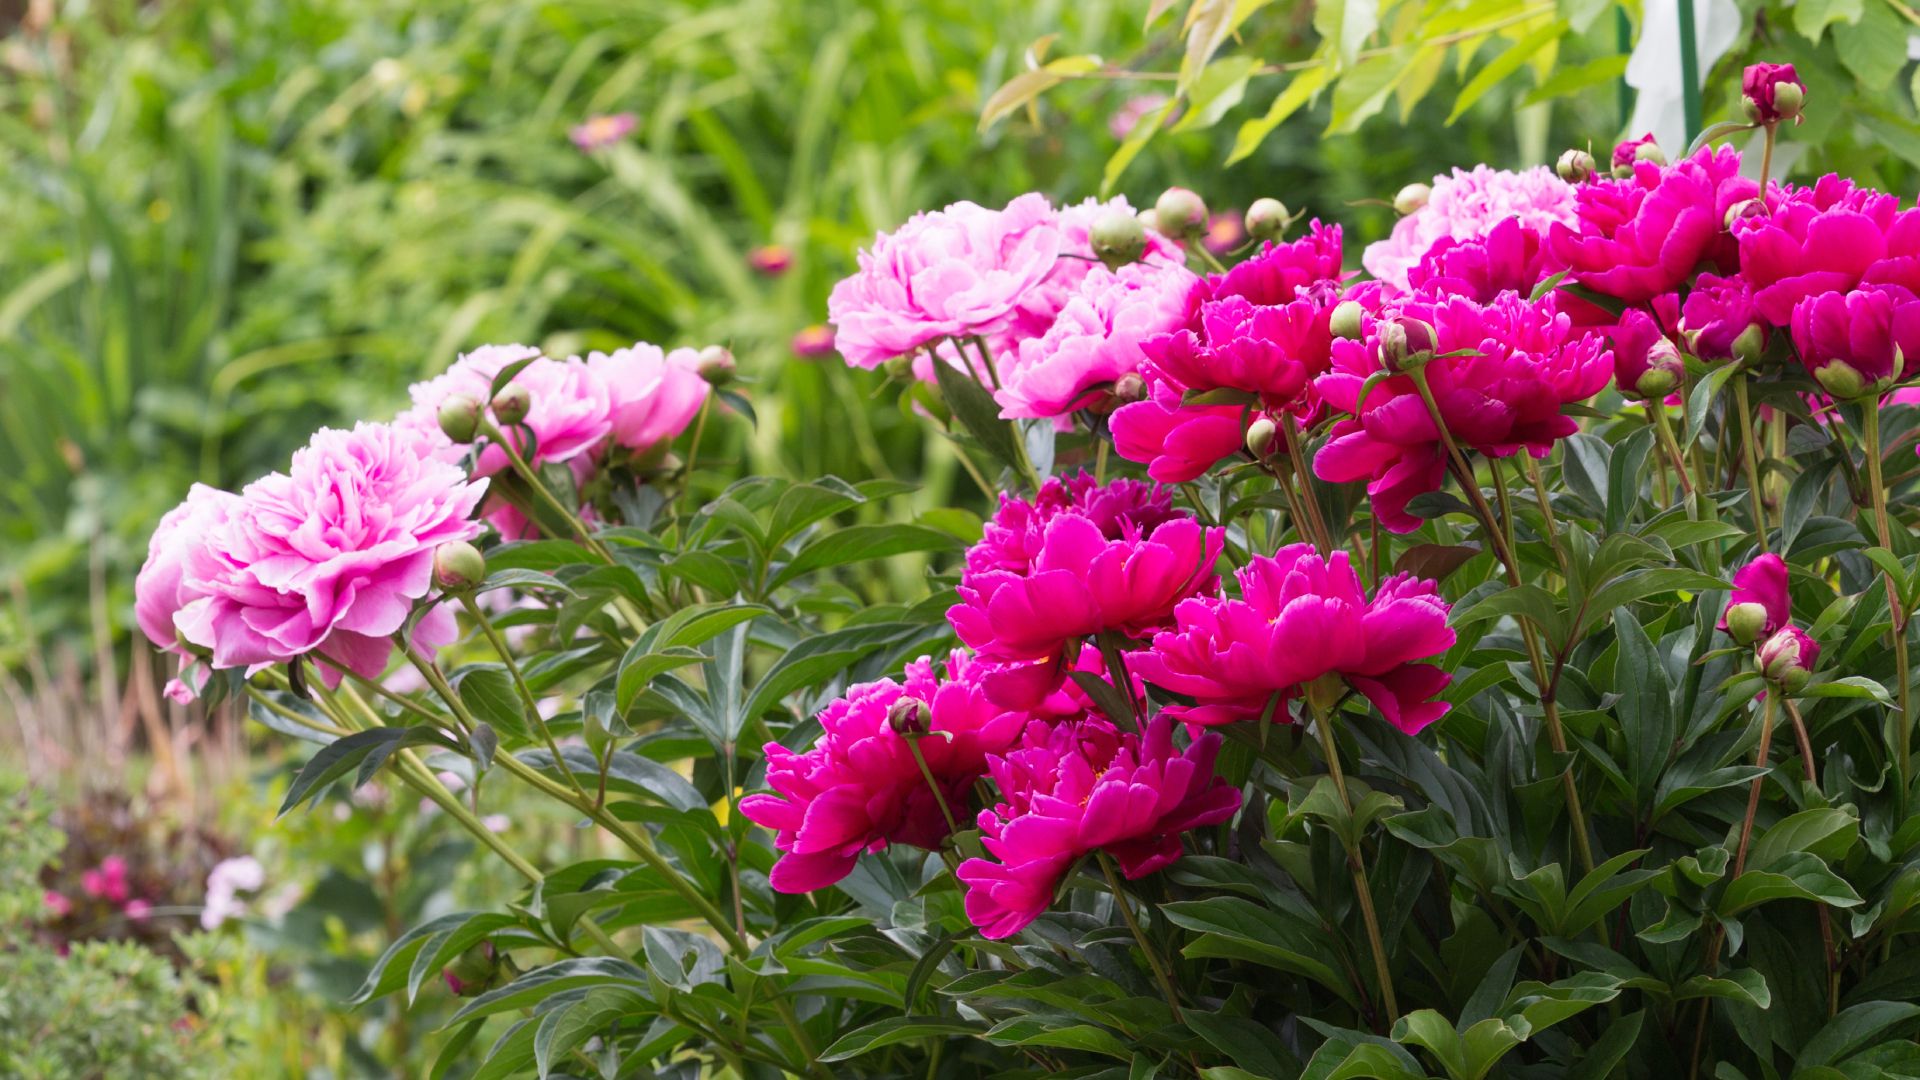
(228, 879)
(1761, 85)
(771, 259)
(1095, 339)
(812, 342)
(1759, 602)
(108, 881)
(859, 788)
(56, 903)
(1075, 788)
(137, 909)
(652, 395)
(496, 823)
(1226, 231)
(1299, 617)
(1627, 151)
(1644, 235)
(1132, 111)
(956, 272)
(330, 556)
(600, 132)
(1465, 206)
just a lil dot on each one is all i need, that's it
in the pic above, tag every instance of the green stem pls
(1753, 795)
(540, 490)
(1751, 459)
(939, 797)
(1139, 936)
(1297, 458)
(527, 700)
(1883, 523)
(1122, 682)
(1323, 726)
(693, 447)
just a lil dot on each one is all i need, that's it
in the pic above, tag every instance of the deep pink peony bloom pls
(1717, 312)
(1527, 360)
(1509, 257)
(1646, 362)
(1760, 85)
(652, 395)
(1274, 351)
(570, 413)
(1299, 617)
(600, 132)
(1814, 240)
(1627, 152)
(330, 556)
(956, 272)
(1759, 597)
(1051, 573)
(1075, 788)
(1176, 442)
(1095, 339)
(859, 788)
(1644, 235)
(1859, 342)
(1466, 206)
(1788, 656)
(1307, 268)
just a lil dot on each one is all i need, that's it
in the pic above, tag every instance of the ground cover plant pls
(1495, 663)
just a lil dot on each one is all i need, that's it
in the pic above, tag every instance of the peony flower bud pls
(1411, 198)
(1180, 213)
(1348, 320)
(1788, 658)
(1750, 343)
(1745, 208)
(1260, 435)
(458, 566)
(1745, 622)
(1393, 350)
(1772, 93)
(1650, 151)
(716, 365)
(512, 403)
(1664, 371)
(1576, 166)
(899, 368)
(459, 418)
(1129, 388)
(1632, 150)
(910, 716)
(1149, 220)
(1117, 238)
(474, 971)
(1267, 219)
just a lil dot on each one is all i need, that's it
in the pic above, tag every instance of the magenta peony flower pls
(600, 132)
(1718, 312)
(859, 788)
(1509, 257)
(1465, 206)
(1627, 152)
(1644, 235)
(950, 273)
(1759, 604)
(1859, 342)
(652, 395)
(1788, 657)
(1300, 617)
(1080, 560)
(813, 342)
(330, 556)
(1524, 361)
(1074, 788)
(1095, 339)
(1307, 268)
(1815, 240)
(1773, 92)
(1176, 442)
(1646, 363)
(571, 409)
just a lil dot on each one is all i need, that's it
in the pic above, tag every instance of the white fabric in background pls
(1654, 68)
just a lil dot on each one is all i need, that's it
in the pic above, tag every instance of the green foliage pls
(111, 1010)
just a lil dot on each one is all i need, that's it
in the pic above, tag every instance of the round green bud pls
(1180, 213)
(1411, 198)
(512, 403)
(1267, 219)
(458, 566)
(459, 418)
(1117, 238)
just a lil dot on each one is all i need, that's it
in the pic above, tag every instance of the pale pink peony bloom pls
(1094, 339)
(600, 132)
(570, 411)
(1299, 617)
(1465, 206)
(1079, 787)
(652, 395)
(859, 788)
(330, 556)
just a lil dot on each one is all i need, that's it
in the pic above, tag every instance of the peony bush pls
(1496, 663)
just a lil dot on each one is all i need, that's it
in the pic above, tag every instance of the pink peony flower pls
(652, 395)
(1760, 86)
(1300, 617)
(1646, 363)
(1074, 788)
(1465, 206)
(859, 787)
(1717, 312)
(1041, 305)
(1788, 657)
(1759, 604)
(1176, 442)
(1307, 268)
(956, 272)
(1274, 351)
(1644, 235)
(1627, 152)
(571, 408)
(330, 556)
(1095, 339)
(812, 342)
(1523, 362)
(137, 909)
(160, 589)
(1815, 240)
(1051, 573)
(1509, 257)
(600, 132)
(1855, 343)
